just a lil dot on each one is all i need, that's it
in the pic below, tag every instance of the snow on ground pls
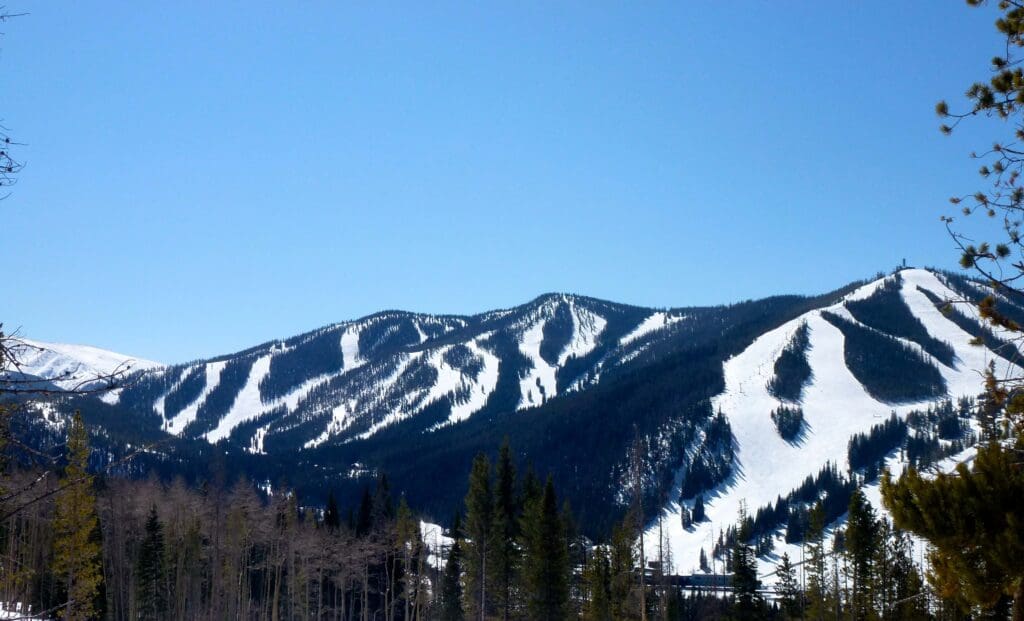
(480, 387)
(350, 348)
(77, 363)
(248, 403)
(181, 420)
(656, 321)
(159, 405)
(586, 329)
(384, 389)
(437, 544)
(835, 407)
(539, 382)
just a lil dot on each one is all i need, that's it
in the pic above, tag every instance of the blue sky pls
(205, 176)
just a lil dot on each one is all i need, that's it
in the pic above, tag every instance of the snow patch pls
(656, 321)
(182, 419)
(538, 384)
(248, 403)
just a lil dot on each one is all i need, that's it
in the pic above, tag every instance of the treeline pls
(791, 369)
(889, 370)
(119, 549)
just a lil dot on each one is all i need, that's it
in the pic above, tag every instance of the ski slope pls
(835, 406)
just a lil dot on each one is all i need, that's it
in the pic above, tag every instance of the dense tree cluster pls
(792, 371)
(885, 310)
(869, 450)
(889, 370)
(789, 421)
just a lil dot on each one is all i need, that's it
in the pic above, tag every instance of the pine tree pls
(698, 510)
(973, 520)
(332, 518)
(76, 551)
(479, 521)
(382, 508)
(788, 589)
(861, 548)
(451, 581)
(149, 571)
(704, 561)
(364, 517)
(545, 559)
(597, 587)
(502, 551)
(744, 567)
(817, 572)
(625, 597)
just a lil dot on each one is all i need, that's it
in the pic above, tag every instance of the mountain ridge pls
(572, 381)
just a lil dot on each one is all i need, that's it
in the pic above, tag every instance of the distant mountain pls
(72, 365)
(574, 383)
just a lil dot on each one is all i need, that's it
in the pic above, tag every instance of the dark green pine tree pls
(332, 517)
(364, 517)
(816, 567)
(451, 580)
(744, 572)
(149, 571)
(861, 548)
(502, 551)
(788, 589)
(698, 509)
(704, 561)
(479, 521)
(597, 604)
(383, 507)
(545, 559)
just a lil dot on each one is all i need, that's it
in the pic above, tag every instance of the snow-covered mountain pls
(840, 398)
(354, 379)
(71, 366)
(756, 402)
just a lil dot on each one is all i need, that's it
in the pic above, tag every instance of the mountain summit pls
(758, 402)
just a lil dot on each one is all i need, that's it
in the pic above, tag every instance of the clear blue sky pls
(205, 176)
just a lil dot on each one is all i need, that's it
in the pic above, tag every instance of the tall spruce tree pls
(597, 604)
(788, 589)
(76, 549)
(479, 523)
(625, 596)
(150, 596)
(861, 549)
(816, 566)
(545, 559)
(744, 571)
(451, 580)
(502, 551)
(332, 517)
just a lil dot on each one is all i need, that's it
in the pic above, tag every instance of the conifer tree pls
(788, 589)
(76, 551)
(622, 576)
(817, 571)
(451, 581)
(502, 549)
(149, 582)
(698, 510)
(364, 517)
(744, 566)
(597, 587)
(861, 548)
(332, 518)
(973, 519)
(479, 522)
(545, 559)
